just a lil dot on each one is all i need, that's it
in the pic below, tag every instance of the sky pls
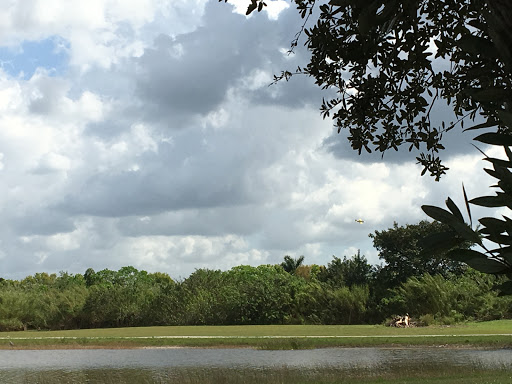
(145, 133)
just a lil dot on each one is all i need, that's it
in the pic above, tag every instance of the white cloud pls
(160, 145)
(52, 161)
(99, 32)
(273, 8)
(182, 254)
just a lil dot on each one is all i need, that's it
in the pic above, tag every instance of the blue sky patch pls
(50, 54)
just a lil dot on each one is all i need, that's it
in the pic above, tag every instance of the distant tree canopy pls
(290, 264)
(390, 62)
(401, 249)
(348, 271)
(345, 291)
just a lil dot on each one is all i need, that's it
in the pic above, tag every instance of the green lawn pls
(272, 336)
(487, 327)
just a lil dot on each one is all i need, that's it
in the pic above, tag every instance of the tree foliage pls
(391, 62)
(290, 264)
(434, 297)
(401, 248)
(494, 237)
(348, 272)
(344, 292)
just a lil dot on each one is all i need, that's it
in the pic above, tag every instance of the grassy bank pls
(496, 334)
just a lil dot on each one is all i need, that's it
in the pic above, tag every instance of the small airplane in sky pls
(360, 221)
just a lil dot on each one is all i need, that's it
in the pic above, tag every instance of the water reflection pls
(244, 358)
(223, 365)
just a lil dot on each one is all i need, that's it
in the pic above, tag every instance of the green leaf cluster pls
(345, 291)
(494, 237)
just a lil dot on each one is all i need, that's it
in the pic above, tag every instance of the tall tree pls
(401, 248)
(347, 272)
(291, 264)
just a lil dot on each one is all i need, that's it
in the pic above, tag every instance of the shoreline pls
(134, 346)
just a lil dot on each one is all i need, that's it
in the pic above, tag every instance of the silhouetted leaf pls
(365, 21)
(488, 94)
(504, 252)
(497, 238)
(505, 117)
(339, 3)
(477, 260)
(439, 242)
(491, 201)
(477, 45)
(439, 214)
(454, 209)
(456, 224)
(487, 124)
(499, 162)
(467, 205)
(505, 288)
(495, 138)
(509, 153)
(252, 7)
(493, 224)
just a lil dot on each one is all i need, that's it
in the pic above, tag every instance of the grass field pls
(485, 334)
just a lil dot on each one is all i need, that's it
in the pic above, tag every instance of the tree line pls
(347, 290)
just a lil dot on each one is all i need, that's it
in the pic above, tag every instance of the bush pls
(426, 320)
(11, 325)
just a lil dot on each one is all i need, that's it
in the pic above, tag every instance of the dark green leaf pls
(495, 139)
(467, 205)
(505, 288)
(499, 162)
(506, 117)
(509, 153)
(340, 3)
(365, 22)
(478, 24)
(436, 243)
(456, 224)
(252, 7)
(497, 238)
(491, 201)
(454, 209)
(493, 224)
(464, 255)
(487, 124)
(477, 46)
(488, 94)
(504, 252)
(477, 260)
(439, 214)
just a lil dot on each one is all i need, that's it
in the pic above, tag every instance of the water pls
(176, 365)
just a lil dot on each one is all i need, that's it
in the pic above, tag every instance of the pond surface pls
(176, 365)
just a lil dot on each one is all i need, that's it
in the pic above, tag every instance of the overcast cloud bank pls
(144, 133)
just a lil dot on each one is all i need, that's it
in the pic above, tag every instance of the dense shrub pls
(266, 294)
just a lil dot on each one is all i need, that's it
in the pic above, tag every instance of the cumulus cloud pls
(100, 33)
(161, 145)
